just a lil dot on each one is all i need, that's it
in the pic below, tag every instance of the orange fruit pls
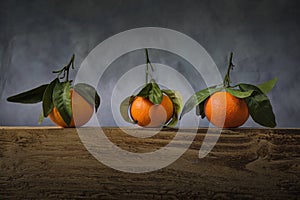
(146, 114)
(81, 109)
(220, 103)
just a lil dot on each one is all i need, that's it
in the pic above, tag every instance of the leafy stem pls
(64, 72)
(147, 67)
(226, 82)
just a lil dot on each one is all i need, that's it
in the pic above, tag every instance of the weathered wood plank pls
(52, 163)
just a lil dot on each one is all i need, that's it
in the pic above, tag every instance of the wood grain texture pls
(52, 163)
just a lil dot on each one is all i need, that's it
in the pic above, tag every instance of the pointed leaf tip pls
(34, 95)
(268, 86)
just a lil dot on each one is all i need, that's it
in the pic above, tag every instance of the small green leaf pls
(267, 86)
(47, 98)
(238, 93)
(62, 101)
(259, 106)
(41, 117)
(177, 103)
(31, 96)
(198, 98)
(155, 94)
(89, 93)
(124, 109)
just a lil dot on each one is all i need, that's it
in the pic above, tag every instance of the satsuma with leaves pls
(227, 106)
(152, 107)
(65, 105)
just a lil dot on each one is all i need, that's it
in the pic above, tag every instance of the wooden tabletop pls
(245, 163)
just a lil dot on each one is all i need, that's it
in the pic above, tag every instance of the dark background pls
(37, 37)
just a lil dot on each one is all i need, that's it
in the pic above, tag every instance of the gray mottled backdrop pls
(39, 36)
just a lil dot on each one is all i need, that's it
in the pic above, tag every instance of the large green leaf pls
(259, 106)
(145, 91)
(47, 98)
(198, 98)
(89, 93)
(124, 109)
(31, 96)
(152, 92)
(62, 101)
(155, 94)
(267, 86)
(238, 93)
(177, 103)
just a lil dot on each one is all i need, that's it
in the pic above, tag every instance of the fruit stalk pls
(226, 82)
(147, 67)
(65, 70)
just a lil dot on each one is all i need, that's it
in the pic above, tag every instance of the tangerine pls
(81, 109)
(220, 103)
(146, 114)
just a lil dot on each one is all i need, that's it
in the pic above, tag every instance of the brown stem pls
(226, 82)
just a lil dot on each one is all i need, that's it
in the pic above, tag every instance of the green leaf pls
(62, 101)
(31, 96)
(155, 94)
(47, 98)
(124, 109)
(259, 106)
(238, 93)
(177, 103)
(145, 91)
(89, 93)
(152, 92)
(41, 117)
(198, 98)
(267, 86)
